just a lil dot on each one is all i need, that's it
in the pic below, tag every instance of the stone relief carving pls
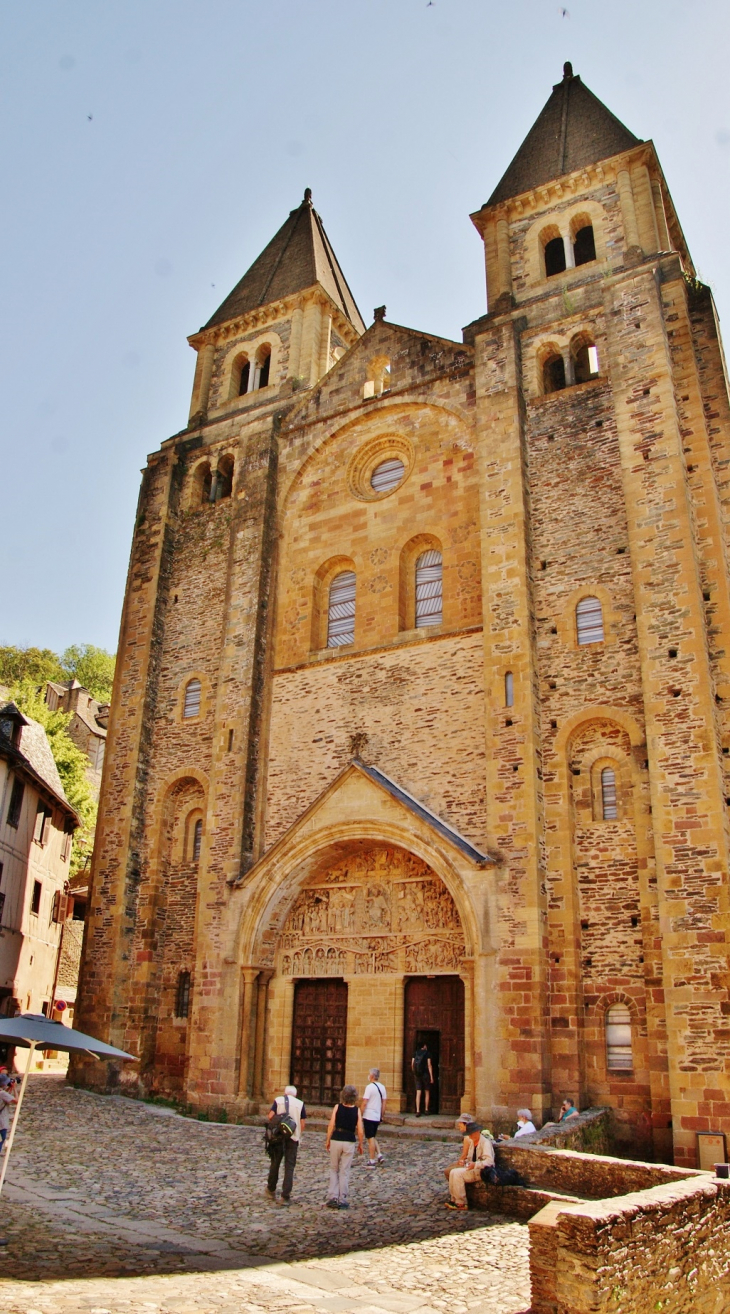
(381, 911)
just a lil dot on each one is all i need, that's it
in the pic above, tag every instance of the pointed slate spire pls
(299, 256)
(573, 130)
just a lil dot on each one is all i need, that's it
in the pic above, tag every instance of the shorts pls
(371, 1128)
(422, 1082)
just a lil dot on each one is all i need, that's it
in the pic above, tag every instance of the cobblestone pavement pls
(114, 1206)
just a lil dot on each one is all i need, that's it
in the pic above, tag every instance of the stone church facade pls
(422, 713)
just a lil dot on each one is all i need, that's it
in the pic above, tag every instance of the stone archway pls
(371, 916)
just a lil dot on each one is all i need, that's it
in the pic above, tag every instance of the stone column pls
(295, 343)
(665, 243)
(287, 1024)
(324, 342)
(206, 372)
(628, 210)
(645, 216)
(504, 264)
(311, 334)
(467, 976)
(398, 1098)
(248, 1031)
(260, 1048)
(569, 252)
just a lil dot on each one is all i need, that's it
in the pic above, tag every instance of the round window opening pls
(387, 475)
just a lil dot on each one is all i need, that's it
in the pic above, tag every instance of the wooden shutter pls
(341, 617)
(609, 797)
(589, 620)
(619, 1057)
(429, 589)
(192, 698)
(387, 475)
(60, 906)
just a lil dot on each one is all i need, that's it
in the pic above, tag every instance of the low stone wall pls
(589, 1176)
(592, 1132)
(666, 1248)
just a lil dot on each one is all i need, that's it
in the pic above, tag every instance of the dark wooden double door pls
(319, 1039)
(434, 1013)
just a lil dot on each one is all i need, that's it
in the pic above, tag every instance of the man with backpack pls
(287, 1117)
(423, 1075)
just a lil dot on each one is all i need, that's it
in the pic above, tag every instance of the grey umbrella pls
(34, 1031)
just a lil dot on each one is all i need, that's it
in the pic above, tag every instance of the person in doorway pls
(344, 1130)
(423, 1074)
(373, 1110)
(8, 1100)
(479, 1155)
(288, 1149)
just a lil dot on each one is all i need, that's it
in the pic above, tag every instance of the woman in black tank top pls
(345, 1129)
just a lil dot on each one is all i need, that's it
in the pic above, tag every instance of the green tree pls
(70, 761)
(93, 667)
(36, 664)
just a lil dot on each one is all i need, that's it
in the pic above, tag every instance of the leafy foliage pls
(93, 667)
(72, 765)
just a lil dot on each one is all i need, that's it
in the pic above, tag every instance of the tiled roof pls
(32, 754)
(573, 130)
(298, 256)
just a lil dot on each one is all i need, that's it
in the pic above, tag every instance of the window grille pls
(429, 589)
(197, 840)
(589, 620)
(192, 698)
(387, 475)
(341, 616)
(608, 794)
(16, 803)
(182, 998)
(509, 690)
(618, 1039)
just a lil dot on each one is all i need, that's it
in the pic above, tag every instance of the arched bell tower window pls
(224, 484)
(341, 614)
(554, 257)
(245, 378)
(553, 373)
(429, 589)
(263, 367)
(585, 359)
(584, 245)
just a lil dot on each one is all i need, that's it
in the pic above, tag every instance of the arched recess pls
(321, 597)
(170, 922)
(409, 555)
(369, 909)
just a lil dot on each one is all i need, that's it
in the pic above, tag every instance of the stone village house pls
(422, 710)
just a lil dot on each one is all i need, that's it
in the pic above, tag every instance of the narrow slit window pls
(429, 589)
(387, 475)
(619, 1057)
(341, 615)
(589, 621)
(609, 798)
(192, 699)
(197, 839)
(182, 997)
(509, 690)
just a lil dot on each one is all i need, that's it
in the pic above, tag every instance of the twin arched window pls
(619, 1056)
(589, 621)
(579, 364)
(191, 706)
(583, 250)
(254, 374)
(428, 599)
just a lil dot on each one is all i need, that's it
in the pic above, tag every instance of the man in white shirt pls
(286, 1149)
(372, 1105)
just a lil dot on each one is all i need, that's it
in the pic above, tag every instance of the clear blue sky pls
(151, 148)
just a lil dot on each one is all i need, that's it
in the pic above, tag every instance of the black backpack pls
(279, 1129)
(498, 1176)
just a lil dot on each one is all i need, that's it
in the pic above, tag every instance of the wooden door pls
(319, 1035)
(434, 1012)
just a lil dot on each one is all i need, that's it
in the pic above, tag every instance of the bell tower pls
(604, 435)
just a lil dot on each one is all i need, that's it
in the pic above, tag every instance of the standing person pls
(344, 1128)
(479, 1154)
(373, 1111)
(8, 1099)
(423, 1073)
(285, 1149)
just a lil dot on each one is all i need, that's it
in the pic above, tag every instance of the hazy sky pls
(150, 149)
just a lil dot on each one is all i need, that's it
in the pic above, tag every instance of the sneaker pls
(451, 1204)
(380, 1158)
(343, 1205)
(417, 1114)
(372, 1163)
(332, 1204)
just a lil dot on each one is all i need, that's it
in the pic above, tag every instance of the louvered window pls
(429, 588)
(608, 794)
(341, 616)
(589, 620)
(197, 840)
(387, 475)
(192, 699)
(618, 1039)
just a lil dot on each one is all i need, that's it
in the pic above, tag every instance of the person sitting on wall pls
(567, 1110)
(525, 1125)
(462, 1122)
(479, 1154)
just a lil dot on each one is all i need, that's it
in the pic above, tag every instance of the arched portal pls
(369, 922)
